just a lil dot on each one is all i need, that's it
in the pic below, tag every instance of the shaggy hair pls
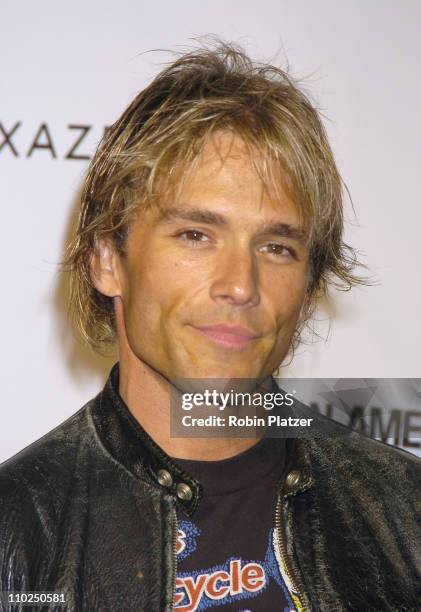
(147, 151)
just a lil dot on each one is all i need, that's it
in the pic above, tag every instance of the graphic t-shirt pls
(226, 553)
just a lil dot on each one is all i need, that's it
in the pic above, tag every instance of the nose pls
(235, 279)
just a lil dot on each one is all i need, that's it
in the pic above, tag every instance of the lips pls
(228, 335)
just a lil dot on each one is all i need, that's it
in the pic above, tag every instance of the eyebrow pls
(199, 215)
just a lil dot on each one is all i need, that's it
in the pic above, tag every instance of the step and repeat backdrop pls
(68, 71)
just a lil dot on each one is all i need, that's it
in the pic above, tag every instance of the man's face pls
(213, 287)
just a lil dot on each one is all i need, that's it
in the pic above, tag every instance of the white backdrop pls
(79, 63)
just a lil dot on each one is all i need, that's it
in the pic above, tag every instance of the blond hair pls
(162, 132)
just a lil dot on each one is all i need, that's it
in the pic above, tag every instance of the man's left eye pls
(279, 250)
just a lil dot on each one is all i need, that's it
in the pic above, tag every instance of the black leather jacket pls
(82, 511)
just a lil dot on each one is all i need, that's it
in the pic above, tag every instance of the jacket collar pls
(127, 441)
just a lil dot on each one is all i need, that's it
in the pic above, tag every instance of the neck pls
(147, 395)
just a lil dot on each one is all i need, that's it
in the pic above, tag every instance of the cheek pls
(286, 294)
(154, 295)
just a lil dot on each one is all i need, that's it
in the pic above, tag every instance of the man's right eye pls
(193, 236)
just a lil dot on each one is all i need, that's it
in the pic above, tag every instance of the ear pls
(105, 268)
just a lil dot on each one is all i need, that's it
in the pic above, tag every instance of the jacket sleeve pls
(25, 542)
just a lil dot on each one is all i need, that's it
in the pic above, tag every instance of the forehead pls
(229, 174)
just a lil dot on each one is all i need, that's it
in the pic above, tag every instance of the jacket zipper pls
(174, 550)
(286, 569)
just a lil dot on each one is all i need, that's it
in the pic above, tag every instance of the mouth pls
(230, 336)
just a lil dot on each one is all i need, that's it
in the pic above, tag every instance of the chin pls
(222, 372)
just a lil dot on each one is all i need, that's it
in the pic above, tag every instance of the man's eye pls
(278, 250)
(193, 236)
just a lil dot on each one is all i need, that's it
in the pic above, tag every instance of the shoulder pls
(34, 485)
(35, 468)
(355, 459)
(348, 443)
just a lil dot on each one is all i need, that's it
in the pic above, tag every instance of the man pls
(211, 221)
